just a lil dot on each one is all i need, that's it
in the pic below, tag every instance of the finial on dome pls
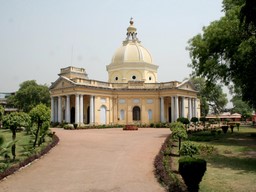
(131, 21)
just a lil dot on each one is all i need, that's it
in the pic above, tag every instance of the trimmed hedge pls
(192, 171)
(164, 171)
(16, 167)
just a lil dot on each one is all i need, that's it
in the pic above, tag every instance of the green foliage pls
(192, 171)
(189, 149)
(178, 131)
(226, 50)
(194, 119)
(14, 121)
(40, 115)
(29, 95)
(211, 95)
(206, 149)
(241, 107)
(183, 120)
(1, 113)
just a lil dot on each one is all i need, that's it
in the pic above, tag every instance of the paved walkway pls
(110, 160)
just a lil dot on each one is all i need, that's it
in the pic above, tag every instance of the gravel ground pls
(110, 160)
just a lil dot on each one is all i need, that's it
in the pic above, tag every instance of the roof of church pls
(131, 50)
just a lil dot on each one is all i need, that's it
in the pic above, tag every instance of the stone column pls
(55, 109)
(182, 106)
(176, 108)
(189, 109)
(81, 109)
(52, 109)
(172, 109)
(192, 107)
(162, 109)
(67, 115)
(59, 109)
(77, 109)
(91, 109)
(195, 107)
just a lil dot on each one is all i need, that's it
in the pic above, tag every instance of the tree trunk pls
(13, 145)
(37, 132)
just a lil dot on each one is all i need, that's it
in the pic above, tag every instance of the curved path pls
(110, 160)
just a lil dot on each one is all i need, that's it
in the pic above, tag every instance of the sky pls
(38, 37)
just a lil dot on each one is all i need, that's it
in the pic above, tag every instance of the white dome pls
(131, 52)
(131, 61)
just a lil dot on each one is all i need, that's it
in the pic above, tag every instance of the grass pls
(23, 147)
(233, 166)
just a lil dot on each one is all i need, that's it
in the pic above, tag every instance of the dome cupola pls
(132, 61)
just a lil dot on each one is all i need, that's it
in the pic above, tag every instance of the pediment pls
(187, 85)
(62, 82)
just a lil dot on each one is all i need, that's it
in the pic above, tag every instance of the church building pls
(132, 94)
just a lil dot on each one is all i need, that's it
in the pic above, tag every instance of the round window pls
(116, 78)
(133, 77)
(150, 78)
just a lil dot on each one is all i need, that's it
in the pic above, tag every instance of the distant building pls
(225, 116)
(3, 102)
(131, 95)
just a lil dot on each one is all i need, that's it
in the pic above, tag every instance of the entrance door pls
(170, 114)
(72, 119)
(88, 115)
(136, 113)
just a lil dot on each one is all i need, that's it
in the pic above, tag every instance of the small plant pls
(206, 149)
(194, 120)
(237, 126)
(183, 120)
(189, 149)
(178, 132)
(192, 171)
(224, 128)
(68, 126)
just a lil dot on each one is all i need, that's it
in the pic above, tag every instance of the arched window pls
(121, 114)
(150, 116)
(136, 113)
(103, 115)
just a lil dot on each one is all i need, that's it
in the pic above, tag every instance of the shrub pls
(224, 128)
(192, 171)
(206, 149)
(189, 149)
(237, 126)
(183, 120)
(68, 126)
(167, 151)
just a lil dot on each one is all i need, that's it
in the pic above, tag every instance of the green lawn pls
(233, 166)
(23, 146)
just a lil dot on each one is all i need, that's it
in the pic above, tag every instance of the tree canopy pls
(40, 115)
(211, 96)
(29, 95)
(226, 50)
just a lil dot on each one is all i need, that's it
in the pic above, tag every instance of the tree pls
(40, 115)
(183, 120)
(13, 121)
(1, 114)
(29, 95)
(210, 96)
(226, 52)
(194, 120)
(241, 107)
(178, 132)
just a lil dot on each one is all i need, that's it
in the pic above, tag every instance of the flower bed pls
(130, 127)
